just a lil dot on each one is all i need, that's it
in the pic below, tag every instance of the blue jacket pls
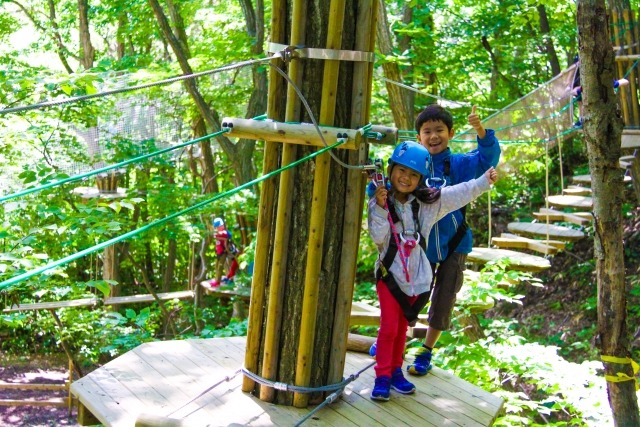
(462, 168)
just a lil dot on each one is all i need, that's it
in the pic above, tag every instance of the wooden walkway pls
(174, 379)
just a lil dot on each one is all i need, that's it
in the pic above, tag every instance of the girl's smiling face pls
(404, 181)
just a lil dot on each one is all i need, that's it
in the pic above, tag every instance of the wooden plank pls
(519, 261)
(586, 179)
(107, 398)
(436, 402)
(558, 244)
(630, 139)
(578, 218)
(543, 230)
(83, 302)
(576, 190)
(133, 299)
(54, 401)
(575, 202)
(519, 242)
(24, 386)
(219, 292)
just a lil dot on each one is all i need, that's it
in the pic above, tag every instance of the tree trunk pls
(545, 29)
(400, 103)
(305, 258)
(602, 134)
(87, 52)
(236, 153)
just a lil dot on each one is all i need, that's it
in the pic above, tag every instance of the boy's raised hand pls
(492, 175)
(474, 120)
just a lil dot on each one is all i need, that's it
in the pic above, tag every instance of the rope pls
(108, 168)
(489, 216)
(546, 185)
(300, 389)
(313, 119)
(400, 248)
(133, 88)
(7, 283)
(225, 379)
(334, 396)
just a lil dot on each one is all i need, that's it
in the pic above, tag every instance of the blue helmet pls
(218, 222)
(412, 155)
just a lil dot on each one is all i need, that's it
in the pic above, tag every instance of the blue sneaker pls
(372, 349)
(381, 389)
(400, 384)
(422, 363)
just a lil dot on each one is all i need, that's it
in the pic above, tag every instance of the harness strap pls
(462, 229)
(410, 311)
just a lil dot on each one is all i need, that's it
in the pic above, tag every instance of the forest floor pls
(560, 313)
(40, 370)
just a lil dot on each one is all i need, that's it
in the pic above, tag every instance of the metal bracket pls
(288, 52)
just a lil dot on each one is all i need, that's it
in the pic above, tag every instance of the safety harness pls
(410, 311)
(462, 229)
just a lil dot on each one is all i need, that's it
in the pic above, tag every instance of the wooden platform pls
(519, 261)
(174, 379)
(540, 229)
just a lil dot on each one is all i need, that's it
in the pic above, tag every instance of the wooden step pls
(586, 179)
(519, 260)
(578, 218)
(162, 296)
(576, 190)
(575, 202)
(630, 138)
(555, 232)
(511, 241)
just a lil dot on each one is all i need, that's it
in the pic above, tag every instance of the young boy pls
(450, 240)
(398, 217)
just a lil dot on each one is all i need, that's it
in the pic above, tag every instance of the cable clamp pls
(280, 386)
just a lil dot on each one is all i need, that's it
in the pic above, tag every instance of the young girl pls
(399, 219)
(225, 250)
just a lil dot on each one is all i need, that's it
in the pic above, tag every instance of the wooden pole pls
(618, 40)
(631, 40)
(291, 133)
(318, 211)
(367, 13)
(283, 218)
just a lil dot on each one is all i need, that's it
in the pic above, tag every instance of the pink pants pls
(392, 335)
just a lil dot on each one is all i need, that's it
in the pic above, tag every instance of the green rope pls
(19, 278)
(108, 168)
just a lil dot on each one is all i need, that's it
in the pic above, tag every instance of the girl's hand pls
(492, 175)
(474, 120)
(381, 196)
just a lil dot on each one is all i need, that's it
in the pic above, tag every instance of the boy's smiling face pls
(434, 136)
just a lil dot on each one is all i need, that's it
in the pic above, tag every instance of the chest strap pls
(410, 311)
